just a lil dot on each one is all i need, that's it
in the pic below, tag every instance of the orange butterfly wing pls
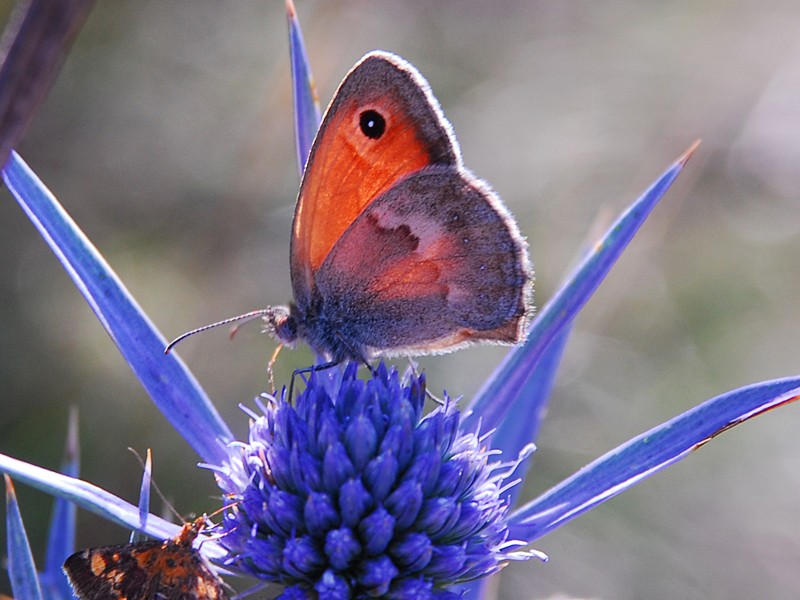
(382, 125)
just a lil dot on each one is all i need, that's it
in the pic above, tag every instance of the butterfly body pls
(396, 247)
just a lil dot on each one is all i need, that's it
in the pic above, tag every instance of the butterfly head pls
(281, 324)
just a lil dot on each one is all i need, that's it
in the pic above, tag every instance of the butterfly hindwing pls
(431, 264)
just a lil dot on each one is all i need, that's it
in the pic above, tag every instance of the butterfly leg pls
(271, 368)
(413, 365)
(308, 370)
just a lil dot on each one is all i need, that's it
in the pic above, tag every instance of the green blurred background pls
(168, 138)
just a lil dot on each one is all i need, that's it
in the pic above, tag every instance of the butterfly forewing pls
(382, 125)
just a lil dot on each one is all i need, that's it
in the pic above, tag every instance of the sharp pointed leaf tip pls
(21, 567)
(72, 450)
(144, 490)
(61, 535)
(566, 303)
(648, 453)
(305, 98)
(754, 413)
(684, 158)
(170, 384)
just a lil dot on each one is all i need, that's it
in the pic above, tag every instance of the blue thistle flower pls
(354, 492)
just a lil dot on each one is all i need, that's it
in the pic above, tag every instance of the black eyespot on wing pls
(372, 124)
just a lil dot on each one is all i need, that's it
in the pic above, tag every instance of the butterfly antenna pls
(201, 523)
(245, 317)
(223, 508)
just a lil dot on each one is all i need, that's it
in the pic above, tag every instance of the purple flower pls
(354, 492)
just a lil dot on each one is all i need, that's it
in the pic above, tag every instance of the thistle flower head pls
(353, 492)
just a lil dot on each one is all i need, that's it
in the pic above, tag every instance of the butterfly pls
(149, 570)
(396, 248)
